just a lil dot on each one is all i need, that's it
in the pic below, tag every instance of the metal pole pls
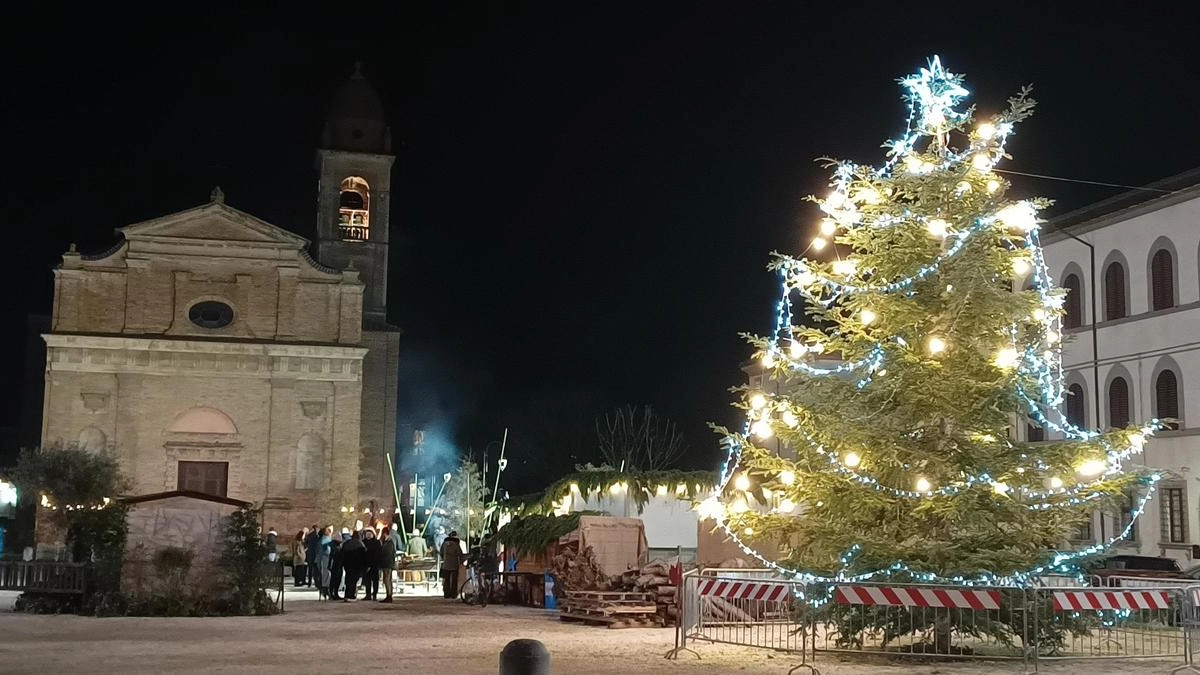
(496, 490)
(433, 509)
(399, 508)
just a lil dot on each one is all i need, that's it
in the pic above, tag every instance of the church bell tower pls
(353, 219)
(354, 194)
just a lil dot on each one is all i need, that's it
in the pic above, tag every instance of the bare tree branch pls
(637, 439)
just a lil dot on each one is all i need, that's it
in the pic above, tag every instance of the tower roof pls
(356, 119)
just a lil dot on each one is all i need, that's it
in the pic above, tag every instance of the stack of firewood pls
(576, 571)
(654, 577)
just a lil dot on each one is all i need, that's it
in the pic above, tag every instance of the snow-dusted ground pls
(413, 635)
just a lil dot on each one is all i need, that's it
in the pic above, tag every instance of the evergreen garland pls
(641, 485)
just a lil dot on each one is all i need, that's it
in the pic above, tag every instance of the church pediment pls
(214, 222)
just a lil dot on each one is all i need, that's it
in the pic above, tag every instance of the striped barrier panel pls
(899, 596)
(727, 589)
(1099, 600)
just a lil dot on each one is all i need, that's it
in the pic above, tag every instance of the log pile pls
(637, 597)
(579, 572)
(654, 578)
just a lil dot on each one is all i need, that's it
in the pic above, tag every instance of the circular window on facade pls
(211, 314)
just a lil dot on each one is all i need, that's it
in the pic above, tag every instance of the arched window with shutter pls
(1114, 291)
(1162, 279)
(1075, 405)
(1073, 304)
(1118, 403)
(1166, 397)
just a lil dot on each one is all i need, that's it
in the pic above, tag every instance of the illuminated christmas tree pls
(899, 461)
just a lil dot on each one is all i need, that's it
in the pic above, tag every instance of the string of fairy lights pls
(931, 96)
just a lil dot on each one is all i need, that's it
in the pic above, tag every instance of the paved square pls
(413, 635)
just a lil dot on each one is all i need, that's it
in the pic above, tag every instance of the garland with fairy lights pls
(865, 205)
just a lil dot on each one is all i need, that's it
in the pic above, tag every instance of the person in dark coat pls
(374, 557)
(452, 561)
(312, 542)
(354, 561)
(387, 565)
(335, 566)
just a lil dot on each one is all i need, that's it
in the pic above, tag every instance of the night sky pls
(585, 194)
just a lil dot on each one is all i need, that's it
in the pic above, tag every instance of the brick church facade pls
(209, 351)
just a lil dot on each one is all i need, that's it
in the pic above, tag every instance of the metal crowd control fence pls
(43, 576)
(1025, 626)
(273, 580)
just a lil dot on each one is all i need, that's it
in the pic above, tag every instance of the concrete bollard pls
(524, 657)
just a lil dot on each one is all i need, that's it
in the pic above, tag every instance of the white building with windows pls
(1141, 304)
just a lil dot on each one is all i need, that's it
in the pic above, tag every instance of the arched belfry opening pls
(354, 209)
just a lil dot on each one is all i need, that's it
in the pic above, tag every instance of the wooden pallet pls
(572, 608)
(611, 596)
(627, 621)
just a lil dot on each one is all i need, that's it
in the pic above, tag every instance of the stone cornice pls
(157, 356)
(201, 346)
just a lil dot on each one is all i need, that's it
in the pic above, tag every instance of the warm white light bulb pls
(986, 130)
(1137, 440)
(710, 508)
(818, 243)
(762, 429)
(1055, 482)
(1021, 266)
(758, 401)
(817, 347)
(914, 164)
(798, 349)
(828, 226)
(1019, 216)
(739, 505)
(786, 505)
(662, 490)
(982, 162)
(742, 482)
(1052, 336)
(852, 459)
(923, 485)
(1039, 314)
(937, 227)
(768, 359)
(868, 195)
(1092, 467)
(936, 345)
(867, 317)
(789, 418)
(1006, 358)
(787, 477)
(963, 187)
(1000, 488)
(835, 199)
(845, 267)
(749, 531)
(993, 185)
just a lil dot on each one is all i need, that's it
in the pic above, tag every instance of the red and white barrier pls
(744, 590)
(898, 596)
(1096, 600)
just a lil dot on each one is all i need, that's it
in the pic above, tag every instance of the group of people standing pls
(337, 562)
